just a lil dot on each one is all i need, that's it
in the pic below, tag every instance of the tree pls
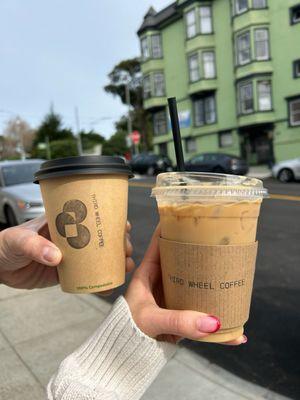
(51, 129)
(129, 71)
(17, 135)
(116, 145)
(90, 139)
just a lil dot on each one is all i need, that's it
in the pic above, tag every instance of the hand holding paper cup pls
(85, 200)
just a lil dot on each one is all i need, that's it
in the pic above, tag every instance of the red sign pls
(135, 137)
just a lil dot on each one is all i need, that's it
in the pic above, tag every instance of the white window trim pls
(190, 56)
(194, 11)
(244, 62)
(207, 17)
(213, 63)
(260, 8)
(267, 56)
(291, 112)
(163, 91)
(240, 11)
(241, 111)
(259, 95)
(146, 39)
(160, 46)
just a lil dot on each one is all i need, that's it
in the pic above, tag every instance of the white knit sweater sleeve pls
(117, 362)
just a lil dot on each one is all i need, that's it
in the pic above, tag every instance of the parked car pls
(150, 164)
(287, 171)
(20, 199)
(217, 162)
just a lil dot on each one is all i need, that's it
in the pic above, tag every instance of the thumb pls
(21, 246)
(188, 324)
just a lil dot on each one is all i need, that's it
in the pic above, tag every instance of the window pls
(210, 110)
(297, 69)
(160, 123)
(147, 87)
(145, 48)
(261, 38)
(259, 3)
(156, 46)
(159, 84)
(264, 96)
(190, 145)
(246, 98)
(241, 6)
(243, 48)
(205, 110)
(294, 107)
(295, 14)
(191, 23)
(163, 149)
(209, 64)
(225, 139)
(205, 20)
(194, 67)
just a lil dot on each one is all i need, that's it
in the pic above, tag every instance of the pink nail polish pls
(208, 324)
(245, 339)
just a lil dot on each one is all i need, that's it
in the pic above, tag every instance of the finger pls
(130, 264)
(35, 224)
(187, 324)
(128, 226)
(236, 342)
(28, 244)
(129, 248)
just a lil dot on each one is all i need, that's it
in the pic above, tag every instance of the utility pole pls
(21, 139)
(129, 123)
(79, 144)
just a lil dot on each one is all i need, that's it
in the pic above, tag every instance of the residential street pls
(269, 358)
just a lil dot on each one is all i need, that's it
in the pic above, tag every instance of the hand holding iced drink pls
(208, 244)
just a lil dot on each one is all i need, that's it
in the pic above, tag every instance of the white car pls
(287, 171)
(20, 198)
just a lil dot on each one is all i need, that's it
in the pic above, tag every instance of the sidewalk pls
(260, 172)
(39, 328)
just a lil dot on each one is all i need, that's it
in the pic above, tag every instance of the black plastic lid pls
(82, 165)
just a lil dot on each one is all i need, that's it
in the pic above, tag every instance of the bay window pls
(147, 86)
(205, 19)
(191, 28)
(193, 62)
(294, 109)
(160, 123)
(159, 84)
(261, 39)
(145, 48)
(243, 48)
(264, 95)
(156, 46)
(205, 110)
(246, 101)
(209, 64)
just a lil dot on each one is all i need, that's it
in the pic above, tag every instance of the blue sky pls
(61, 51)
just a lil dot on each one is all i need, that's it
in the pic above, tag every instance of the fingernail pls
(209, 324)
(245, 339)
(51, 254)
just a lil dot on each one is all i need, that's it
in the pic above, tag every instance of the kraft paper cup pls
(85, 201)
(208, 244)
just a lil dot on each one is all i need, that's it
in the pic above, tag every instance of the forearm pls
(117, 362)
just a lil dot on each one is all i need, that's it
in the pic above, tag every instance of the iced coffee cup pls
(85, 201)
(208, 244)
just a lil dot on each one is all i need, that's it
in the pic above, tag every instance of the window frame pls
(201, 17)
(163, 91)
(296, 64)
(259, 109)
(238, 37)
(160, 46)
(239, 11)
(221, 146)
(196, 56)
(213, 63)
(194, 141)
(204, 101)
(240, 86)
(145, 39)
(187, 26)
(266, 58)
(292, 10)
(260, 8)
(290, 101)
(147, 77)
(157, 120)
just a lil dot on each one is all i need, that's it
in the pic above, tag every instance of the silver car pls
(287, 171)
(20, 199)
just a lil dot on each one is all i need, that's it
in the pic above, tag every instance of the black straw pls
(176, 133)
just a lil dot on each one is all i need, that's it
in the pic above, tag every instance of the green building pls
(234, 66)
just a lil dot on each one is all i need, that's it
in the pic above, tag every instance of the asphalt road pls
(271, 356)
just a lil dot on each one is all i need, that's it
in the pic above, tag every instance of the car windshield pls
(19, 173)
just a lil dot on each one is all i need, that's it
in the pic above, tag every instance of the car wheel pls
(218, 170)
(150, 171)
(11, 219)
(285, 175)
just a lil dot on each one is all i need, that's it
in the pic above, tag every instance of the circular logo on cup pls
(68, 224)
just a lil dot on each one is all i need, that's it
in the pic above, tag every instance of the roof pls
(154, 19)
